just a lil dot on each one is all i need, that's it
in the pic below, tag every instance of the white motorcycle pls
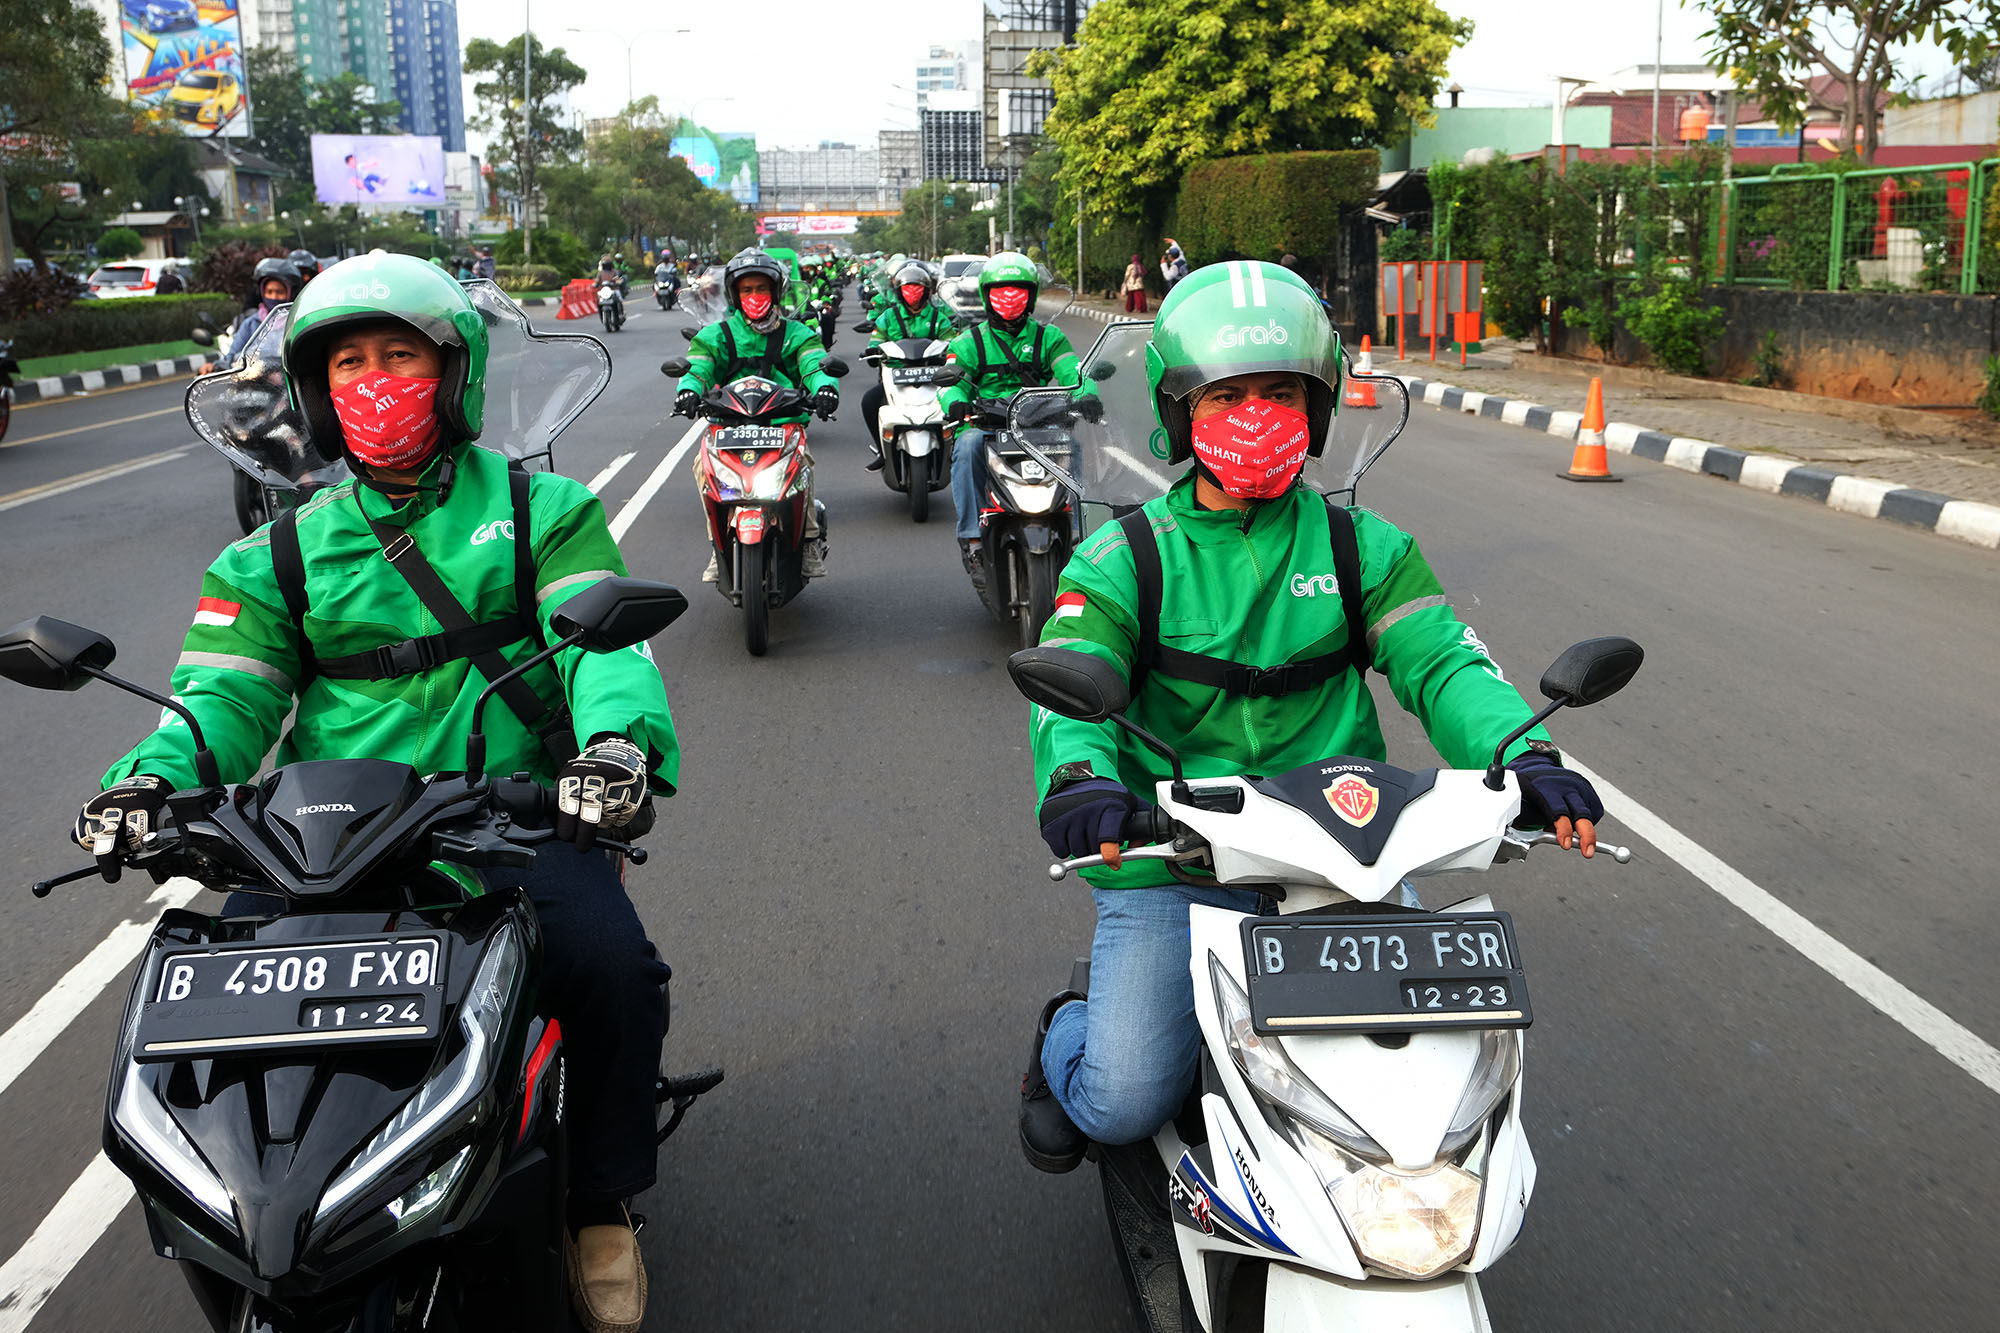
(910, 426)
(1352, 1155)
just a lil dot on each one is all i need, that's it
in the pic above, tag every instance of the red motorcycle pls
(755, 479)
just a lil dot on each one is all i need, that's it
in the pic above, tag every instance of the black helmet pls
(306, 262)
(750, 260)
(917, 272)
(275, 268)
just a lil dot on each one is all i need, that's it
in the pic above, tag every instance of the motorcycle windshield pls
(536, 384)
(1119, 460)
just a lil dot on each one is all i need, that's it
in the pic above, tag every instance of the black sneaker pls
(875, 463)
(1049, 1140)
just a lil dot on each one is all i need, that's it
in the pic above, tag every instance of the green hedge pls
(90, 326)
(527, 278)
(1272, 204)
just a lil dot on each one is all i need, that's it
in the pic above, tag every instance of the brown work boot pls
(607, 1279)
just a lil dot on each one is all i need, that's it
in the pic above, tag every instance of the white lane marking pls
(644, 495)
(96, 425)
(32, 1033)
(603, 479)
(85, 1211)
(1924, 1020)
(82, 479)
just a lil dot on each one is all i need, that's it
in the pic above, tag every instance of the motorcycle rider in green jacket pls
(385, 361)
(755, 338)
(1246, 574)
(1009, 350)
(915, 313)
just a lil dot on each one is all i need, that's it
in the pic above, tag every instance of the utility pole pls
(1659, 46)
(527, 131)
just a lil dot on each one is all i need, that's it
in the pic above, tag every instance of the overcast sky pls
(796, 73)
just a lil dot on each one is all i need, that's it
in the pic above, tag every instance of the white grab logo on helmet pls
(499, 527)
(1272, 334)
(377, 290)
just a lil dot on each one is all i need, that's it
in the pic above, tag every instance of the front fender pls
(1040, 538)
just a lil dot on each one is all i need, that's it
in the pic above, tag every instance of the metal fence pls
(1880, 229)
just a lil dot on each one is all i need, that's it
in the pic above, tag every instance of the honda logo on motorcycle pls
(1354, 799)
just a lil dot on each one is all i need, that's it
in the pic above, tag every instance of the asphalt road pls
(852, 893)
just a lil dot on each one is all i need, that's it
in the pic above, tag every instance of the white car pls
(129, 277)
(958, 283)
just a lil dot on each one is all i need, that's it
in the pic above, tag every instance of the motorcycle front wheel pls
(6, 410)
(917, 475)
(1036, 590)
(750, 561)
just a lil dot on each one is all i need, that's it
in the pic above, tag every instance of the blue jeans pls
(1122, 1062)
(968, 478)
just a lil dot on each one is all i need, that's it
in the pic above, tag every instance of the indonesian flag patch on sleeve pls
(215, 611)
(1069, 604)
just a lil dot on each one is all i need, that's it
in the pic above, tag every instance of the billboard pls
(809, 224)
(720, 159)
(405, 170)
(184, 64)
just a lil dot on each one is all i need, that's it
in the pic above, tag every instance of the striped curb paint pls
(1869, 497)
(108, 377)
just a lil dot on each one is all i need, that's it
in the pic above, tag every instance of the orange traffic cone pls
(1588, 463)
(1361, 392)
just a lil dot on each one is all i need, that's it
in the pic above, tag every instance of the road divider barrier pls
(579, 299)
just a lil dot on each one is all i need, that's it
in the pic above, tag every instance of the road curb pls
(105, 377)
(1851, 493)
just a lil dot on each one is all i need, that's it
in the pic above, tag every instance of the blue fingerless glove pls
(1079, 817)
(1550, 792)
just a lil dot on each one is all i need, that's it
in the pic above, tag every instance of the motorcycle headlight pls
(1492, 1077)
(151, 1129)
(429, 1192)
(1414, 1224)
(1270, 1072)
(769, 484)
(451, 1089)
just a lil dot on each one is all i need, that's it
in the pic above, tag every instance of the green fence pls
(1883, 228)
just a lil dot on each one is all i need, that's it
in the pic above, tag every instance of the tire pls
(917, 473)
(756, 598)
(604, 313)
(6, 410)
(253, 502)
(1041, 596)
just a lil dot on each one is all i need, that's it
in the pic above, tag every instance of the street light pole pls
(527, 129)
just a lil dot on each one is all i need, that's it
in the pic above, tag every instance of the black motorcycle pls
(1027, 520)
(9, 368)
(347, 1116)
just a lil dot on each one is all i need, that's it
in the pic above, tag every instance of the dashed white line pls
(85, 1211)
(603, 479)
(1922, 1019)
(82, 479)
(651, 487)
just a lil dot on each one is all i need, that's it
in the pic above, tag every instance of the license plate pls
(238, 998)
(913, 375)
(1398, 973)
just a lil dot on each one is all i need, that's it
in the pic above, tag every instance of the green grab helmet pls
(1240, 317)
(368, 289)
(1011, 268)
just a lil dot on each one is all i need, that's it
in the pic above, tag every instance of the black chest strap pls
(774, 350)
(460, 637)
(1240, 678)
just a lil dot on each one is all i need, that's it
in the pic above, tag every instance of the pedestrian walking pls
(1175, 266)
(1135, 287)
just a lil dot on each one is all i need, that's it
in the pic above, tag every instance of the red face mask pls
(755, 304)
(389, 420)
(1009, 302)
(913, 294)
(1255, 449)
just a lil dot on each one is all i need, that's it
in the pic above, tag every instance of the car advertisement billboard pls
(720, 159)
(184, 64)
(403, 170)
(809, 224)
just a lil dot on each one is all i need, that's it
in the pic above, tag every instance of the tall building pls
(365, 28)
(900, 154)
(947, 69)
(832, 178)
(954, 141)
(1017, 103)
(319, 40)
(423, 46)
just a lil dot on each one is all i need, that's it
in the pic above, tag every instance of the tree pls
(520, 139)
(119, 243)
(1772, 47)
(632, 186)
(1154, 86)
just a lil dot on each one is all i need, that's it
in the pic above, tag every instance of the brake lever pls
(43, 888)
(1164, 852)
(630, 851)
(1622, 855)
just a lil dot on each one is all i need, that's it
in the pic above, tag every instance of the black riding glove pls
(687, 403)
(1090, 408)
(958, 411)
(824, 401)
(1077, 818)
(602, 788)
(1549, 792)
(122, 815)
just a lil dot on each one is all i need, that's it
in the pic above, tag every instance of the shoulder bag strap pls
(1347, 570)
(288, 566)
(1146, 605)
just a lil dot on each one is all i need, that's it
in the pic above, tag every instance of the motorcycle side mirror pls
(674, 367)
(688, 331)
(1067, 682)
(206, 320)
(50, 654)
(1586, 673)
(618, 613)
(1103, 370)
(864, 328)
(202, 337)
(1593, 670)
(835, 367)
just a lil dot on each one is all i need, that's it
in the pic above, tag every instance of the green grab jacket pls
(1264, 592)
(1042, 349)
(797, 363)
(239, 671)
(899, 322)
